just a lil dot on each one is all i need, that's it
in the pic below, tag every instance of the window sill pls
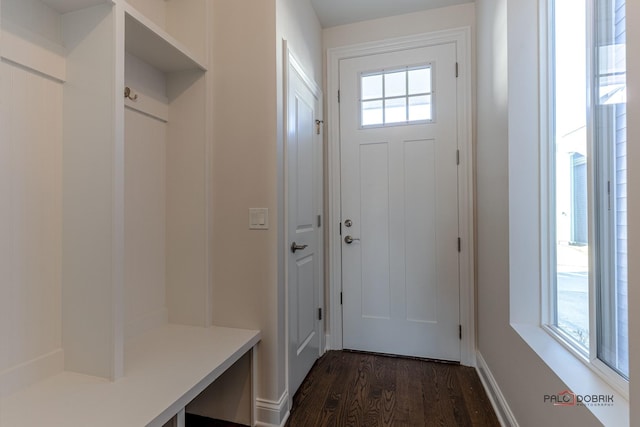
(578, 377)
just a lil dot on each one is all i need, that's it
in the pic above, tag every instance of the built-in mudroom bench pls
(106, 219)
(166, 370)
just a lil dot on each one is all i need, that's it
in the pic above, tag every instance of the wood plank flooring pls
(348, 389)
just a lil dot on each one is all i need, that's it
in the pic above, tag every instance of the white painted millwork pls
(273, 413)
(491, 387)
(447, 25)
(145, 236)
(168, 368)
(148, 89)
(304, 207)
(106, 236)
(151, 43)
(30, 225)
(64, 6)
(400, 280)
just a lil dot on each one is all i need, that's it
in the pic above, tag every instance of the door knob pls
(296, 247)
(349, 240)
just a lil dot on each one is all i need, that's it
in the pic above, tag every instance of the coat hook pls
(127, 94)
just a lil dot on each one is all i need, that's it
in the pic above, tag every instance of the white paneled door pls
(304, 207)
(400, 266)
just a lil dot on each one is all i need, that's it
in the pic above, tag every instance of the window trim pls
(526, 131)
(548, 253)
(581, 378)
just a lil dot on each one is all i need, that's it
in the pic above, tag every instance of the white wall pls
(248, 170)
(508, 127)
(298, 24)
(244, 175)
(402, 25)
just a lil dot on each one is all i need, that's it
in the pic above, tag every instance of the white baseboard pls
(272, 414)
(499, 403)
(327, 343)
(31, 372)
(330, 345)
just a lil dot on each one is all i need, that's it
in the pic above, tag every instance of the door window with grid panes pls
(398, 96)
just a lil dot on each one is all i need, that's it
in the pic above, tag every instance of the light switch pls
(258, 218)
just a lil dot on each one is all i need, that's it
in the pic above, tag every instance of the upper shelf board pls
(64, 6)
(156, 47)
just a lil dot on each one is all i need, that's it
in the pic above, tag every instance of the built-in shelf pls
(32, 51)
(64, 6)
(70, 58)
(152, 44)
(165, 369)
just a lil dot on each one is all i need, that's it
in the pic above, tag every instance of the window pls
(396, 97)
(588, 236)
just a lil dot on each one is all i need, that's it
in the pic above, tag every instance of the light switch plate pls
(258, 218)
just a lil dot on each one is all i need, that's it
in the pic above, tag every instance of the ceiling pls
(339, 12)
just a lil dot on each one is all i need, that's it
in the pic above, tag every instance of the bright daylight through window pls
(588, 190)
(396, 97)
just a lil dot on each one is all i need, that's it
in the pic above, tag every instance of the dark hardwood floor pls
(350, 389)
(355, 389)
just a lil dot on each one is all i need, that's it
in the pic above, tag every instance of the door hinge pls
(319, 124)
(340, 298)
(457, 70)
(457, 157)
(338, 96)
(340, 229)
(608, 195)
(459, 244)
(319, 221)
(320, 313)
(460, 331)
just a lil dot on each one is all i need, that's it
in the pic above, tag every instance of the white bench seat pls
(164, 370)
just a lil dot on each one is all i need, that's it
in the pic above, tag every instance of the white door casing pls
(461, 40)
(304, 206)
(400, 281)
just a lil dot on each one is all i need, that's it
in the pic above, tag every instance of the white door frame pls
(462, 39)
(291, 62)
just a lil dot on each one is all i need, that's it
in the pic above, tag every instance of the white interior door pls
(304, 207)
(398, 136)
